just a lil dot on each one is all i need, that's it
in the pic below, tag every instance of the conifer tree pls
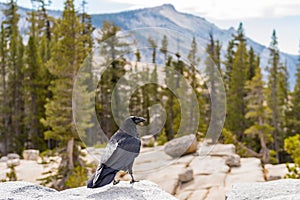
(294, 113)
(283, 102)
(192, 73)
(113, 48)
(4, 98)
(170, 103)
(259, 113)
(15, 77)
(36, 89)
(274, 64)
(59, 108)
(253, 64)
(153, 46)
(236, 108)
(213, 67)
(228, 63)
(164, 47)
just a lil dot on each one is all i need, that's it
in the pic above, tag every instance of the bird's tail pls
(103, 176)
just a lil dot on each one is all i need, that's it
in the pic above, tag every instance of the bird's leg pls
(132, 179)
(116, 182)
(116, 178)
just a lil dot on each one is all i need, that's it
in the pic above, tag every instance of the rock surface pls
(233, 160)
(181, 146)
(272, 190)
(11, 156)
(186, 175)
(31, 154)
(144, 190)
(212, 177)
(274, 172)
(214, 170)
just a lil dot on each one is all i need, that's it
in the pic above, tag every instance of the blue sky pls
(260, 17)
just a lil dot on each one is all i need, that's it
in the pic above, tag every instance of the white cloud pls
(227, 9)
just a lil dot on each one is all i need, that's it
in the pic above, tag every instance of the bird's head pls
(129, 125)
(137, 120)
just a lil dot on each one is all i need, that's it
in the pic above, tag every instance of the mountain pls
(166, 19)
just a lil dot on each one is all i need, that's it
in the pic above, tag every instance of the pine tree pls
(4, 99)
(44, 21)
(236, 108)
(253, 64)
(283, 102)
(274, 64)
(59, 108)
(228, 63)
(164, 47)
(43, 40)
(112, 49)
(169, 102)
(15, 77)
(213, 67)
(136, 98)
(259, 113)
(192, 73)
(35, 89)
(153, 46)
(294, 113)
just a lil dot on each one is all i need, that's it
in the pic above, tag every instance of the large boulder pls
(12, 156)
(181, 146)
(31, 154)
(13, 162)
(272, 190)
(274, 172)
(143, 190)
(4, 159)
(186, 175)
(233, 160)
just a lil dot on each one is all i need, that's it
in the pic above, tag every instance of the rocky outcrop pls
(144, 190)
(181, 146)
(272, 190)
(31, 154)
(12, 160)
(274, 172)
(207, 174)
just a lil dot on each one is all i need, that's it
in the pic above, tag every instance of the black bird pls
(119, 154)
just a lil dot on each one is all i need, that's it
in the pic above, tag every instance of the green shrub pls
(98, 146)
(162, 138)
(294, 171)
(292, 146)
(11, 175)
(273, 159)
(77, 178)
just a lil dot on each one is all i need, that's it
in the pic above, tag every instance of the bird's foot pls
(116, 182)
(133, 181)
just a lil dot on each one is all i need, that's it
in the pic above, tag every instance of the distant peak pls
(168, 6)
(232, 30)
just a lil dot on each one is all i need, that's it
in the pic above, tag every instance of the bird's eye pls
(133, 119)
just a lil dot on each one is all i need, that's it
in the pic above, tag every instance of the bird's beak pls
(139, 120)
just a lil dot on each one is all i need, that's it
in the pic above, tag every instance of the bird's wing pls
(109, 150)
(127, 150)
(97, 173)
(130, 144)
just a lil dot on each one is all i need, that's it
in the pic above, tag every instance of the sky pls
(259, 17)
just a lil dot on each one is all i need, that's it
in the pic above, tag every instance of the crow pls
(119, 154)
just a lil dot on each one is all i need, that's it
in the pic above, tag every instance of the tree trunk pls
(70, 153)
